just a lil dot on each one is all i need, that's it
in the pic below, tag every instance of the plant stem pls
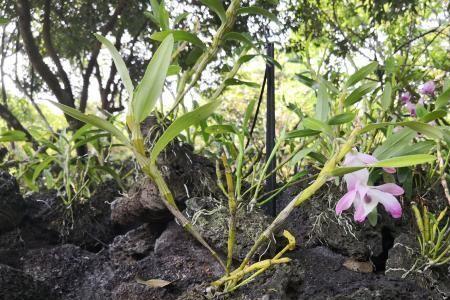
(323, 176)
(211, 52)
(232, 206)
(166, 195)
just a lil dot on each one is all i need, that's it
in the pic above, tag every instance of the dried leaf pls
(154, 283)
(358, 266)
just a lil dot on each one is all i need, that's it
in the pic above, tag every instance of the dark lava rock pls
(16, 285)
(12, 205)
(142, 203)
(73, 273)
(316, 223)
(178, 258)
(405, 261)
(134, 245)
(210, 217)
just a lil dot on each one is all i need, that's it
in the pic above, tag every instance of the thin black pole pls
(270, 125)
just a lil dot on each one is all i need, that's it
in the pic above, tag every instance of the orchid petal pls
(363, 208)
(389, 202)
(345, 202)
(390, 170)
(390, 188)
(366, 158)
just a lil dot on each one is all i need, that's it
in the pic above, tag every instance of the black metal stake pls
(270, 126)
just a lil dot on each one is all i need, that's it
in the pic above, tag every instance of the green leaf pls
(318, 157)
(436, 114)
(345, 170)
(173, 70)
(94, 121)
(323, 103)
(386, 98)
(180, 124)
(404, 161)
(361, 74)
(119, 63)
(359, 92)
(151, 86)
(41, 166)
(236, 36)
(180, 18)
(418, 148)
(317, 125)
(217, 7)
(3, 21)
(395, 143)
(305, 80)
(442, 100)
(426, 129)
(248, 113)
(235, 81)
(163, 17)
(178, 35)
(151, 17)
(255, 10)
(342, 118)
(301, 133)
(13, 136)
(220, 129)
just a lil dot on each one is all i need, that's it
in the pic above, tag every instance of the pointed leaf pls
(323, 103)
(180, 124)
(255, 10)
(342, 118)
(217, 7)
(431, 116)
(314, 124)
(301, 133)
(173, 70)
(361, 74)
(359, 92)
(119, 63)
(94, 121)
(404, 161)
(151, 86)
(237, 36)
(386, 97)
(178, 35)
(442, 99)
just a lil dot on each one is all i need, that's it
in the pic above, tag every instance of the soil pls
(48, 251)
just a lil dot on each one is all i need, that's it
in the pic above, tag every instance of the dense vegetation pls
(362, 98)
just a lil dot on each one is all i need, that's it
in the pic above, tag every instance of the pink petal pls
(389, 170)
(358, 177)
(363, 208)
(390, 188)
(345, 202)
(389, 202)
(366, 158)
(350, 159)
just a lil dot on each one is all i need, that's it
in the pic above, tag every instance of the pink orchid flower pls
(359, 159)
(411, 107)
(365, 198)
(428, 88)
(405, 97)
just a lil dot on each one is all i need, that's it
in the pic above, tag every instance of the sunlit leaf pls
(217, 7)
(151, 86)
(361, 74)
(180, 124)
(173, 70)
(404, 161)
(301, 133)
(235, 81)
(431, 116)
(442, 99)
(341, 118)
(255, 10)
(323, 103)
(13, 136)
(178, 35)
(119, 63)
(94, 121)
(317, 125)
(357, 94)
(220, 129)
(237, 36)
(386, 97)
